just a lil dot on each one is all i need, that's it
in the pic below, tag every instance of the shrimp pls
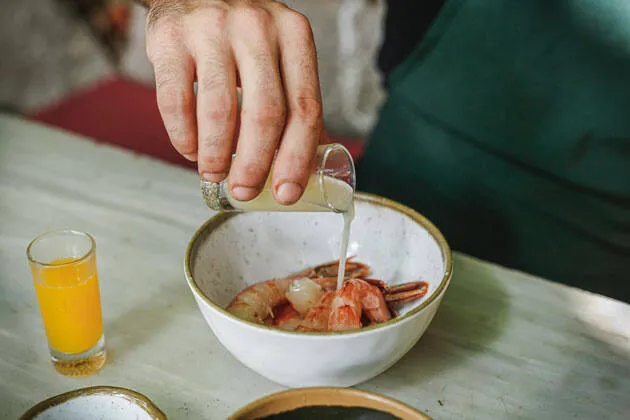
(330, 269)
(309, 300)
(400, 293)
(287, 318)
(257, 302)
(316, 318)
(356, 297)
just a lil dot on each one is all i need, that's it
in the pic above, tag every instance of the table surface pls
(503, 344)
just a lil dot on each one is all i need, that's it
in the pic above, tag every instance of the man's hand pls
(259, 45)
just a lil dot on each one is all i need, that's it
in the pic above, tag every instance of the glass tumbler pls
(63, 267)
(330, 187)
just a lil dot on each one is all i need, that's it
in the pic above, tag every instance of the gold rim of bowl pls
(217, 220)
(293, 399)
(139, 399)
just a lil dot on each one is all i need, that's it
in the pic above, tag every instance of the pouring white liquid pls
(348, 216)
(316, 198)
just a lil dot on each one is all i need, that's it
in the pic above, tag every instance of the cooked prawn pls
(257, 302)
(355, 298)
(287, 318)
(316, 318)
(308, 300)
(331, 268)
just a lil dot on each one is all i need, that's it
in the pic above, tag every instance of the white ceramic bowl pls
(234, 250)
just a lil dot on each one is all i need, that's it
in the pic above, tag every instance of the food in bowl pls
(233, 251)
(309, 301)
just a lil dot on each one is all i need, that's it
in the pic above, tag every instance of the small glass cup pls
(330, 187)
(63, 266)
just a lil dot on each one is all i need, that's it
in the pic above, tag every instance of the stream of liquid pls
(348, 216)
(338, 194)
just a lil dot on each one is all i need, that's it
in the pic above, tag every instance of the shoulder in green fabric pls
(544, 83)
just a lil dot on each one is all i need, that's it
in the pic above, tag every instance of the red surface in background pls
(125, 113)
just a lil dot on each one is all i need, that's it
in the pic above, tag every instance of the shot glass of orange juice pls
(63, 265)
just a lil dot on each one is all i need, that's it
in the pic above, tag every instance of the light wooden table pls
(503, 345)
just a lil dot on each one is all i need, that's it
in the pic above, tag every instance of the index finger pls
(305, 115)
(263, 109)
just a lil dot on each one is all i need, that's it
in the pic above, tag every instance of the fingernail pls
(210, 177)
(244, 193)
(191, 157)
(288, 192)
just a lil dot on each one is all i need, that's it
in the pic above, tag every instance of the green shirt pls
(509, 127)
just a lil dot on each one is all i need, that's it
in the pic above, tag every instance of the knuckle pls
(157, 13)
(166, 24)
(307, 109)
(253, 17)
(221, 109)
(211, 20)
(216, 16)
(210, 143)
(298, 24)
(269, 115)
(166, 31)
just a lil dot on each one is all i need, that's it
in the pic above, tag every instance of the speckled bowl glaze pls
(98, 402)
(234, 250)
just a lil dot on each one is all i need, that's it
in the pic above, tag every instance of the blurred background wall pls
(46, 52)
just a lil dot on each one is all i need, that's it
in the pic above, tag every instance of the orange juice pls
(70, 304)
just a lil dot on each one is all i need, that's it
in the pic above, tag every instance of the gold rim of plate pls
(217, 220)
(293, 399)
(139, 399)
